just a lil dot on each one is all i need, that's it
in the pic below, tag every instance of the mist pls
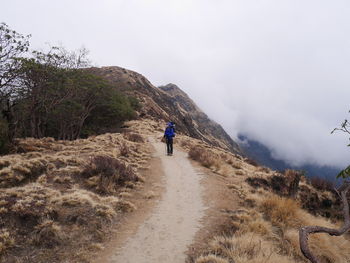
(275, 71)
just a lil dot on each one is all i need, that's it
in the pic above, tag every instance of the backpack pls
(169, 132)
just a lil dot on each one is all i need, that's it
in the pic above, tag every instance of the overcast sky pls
(275, 70)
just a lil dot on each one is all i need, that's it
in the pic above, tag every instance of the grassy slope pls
(58, 200)
(53, 208)
(265, 226)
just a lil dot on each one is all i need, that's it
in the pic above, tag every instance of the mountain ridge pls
(168, 103)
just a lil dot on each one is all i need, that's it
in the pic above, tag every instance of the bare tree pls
(12, 46)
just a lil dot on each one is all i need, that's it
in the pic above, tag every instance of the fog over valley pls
(274, 71)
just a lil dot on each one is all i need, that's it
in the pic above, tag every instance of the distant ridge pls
(262, 155)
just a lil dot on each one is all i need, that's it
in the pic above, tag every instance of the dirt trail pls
(167, 233)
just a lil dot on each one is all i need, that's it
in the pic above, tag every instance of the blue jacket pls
(169, 132)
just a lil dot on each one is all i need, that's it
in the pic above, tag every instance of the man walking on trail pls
(169, 134)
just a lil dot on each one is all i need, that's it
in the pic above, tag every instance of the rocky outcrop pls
(169, 103)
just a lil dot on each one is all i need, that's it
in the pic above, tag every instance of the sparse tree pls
(12, 47)
(342, 191)
(47, 80)
(53, 93)
(294, 182)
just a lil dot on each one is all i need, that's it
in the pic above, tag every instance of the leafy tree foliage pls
(51, 94)
(59, 97)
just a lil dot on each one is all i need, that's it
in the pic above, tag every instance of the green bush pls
(111, 111)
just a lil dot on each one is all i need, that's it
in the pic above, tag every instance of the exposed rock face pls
(170, 104)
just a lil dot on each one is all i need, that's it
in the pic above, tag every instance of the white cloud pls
(275, 70)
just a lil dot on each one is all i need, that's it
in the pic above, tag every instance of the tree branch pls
(304, 232)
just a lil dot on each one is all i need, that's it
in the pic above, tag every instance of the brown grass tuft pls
(281, 211)
(6, 241)
(245, 248)
(109, 173)
(47, 234)
(134, 137)
(251, 162)
(57, 202)
(204, 157)
(124, 150)
(211, 259)
(125, 206)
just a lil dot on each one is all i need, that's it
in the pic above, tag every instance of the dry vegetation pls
(265, 227)
(58, 199)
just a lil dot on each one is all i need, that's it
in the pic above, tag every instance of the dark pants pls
(169, 145)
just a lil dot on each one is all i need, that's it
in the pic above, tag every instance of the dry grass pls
(6, 241)
(124, 150)
(268, 232)
(281, 211)
(216, 159)
(106, 174)
(211, 259)
(204, 156)
(59, 199)
(266, 224)
(251, 162)
(134, 137)
(47, 234)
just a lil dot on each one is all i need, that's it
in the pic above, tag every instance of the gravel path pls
(166, 235)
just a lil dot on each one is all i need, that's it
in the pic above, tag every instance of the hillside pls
(168, 103)
(59, 199)
(86, 200)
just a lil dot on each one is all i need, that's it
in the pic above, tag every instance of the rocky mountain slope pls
(168, 103)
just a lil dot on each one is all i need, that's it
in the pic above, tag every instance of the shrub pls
(257, 182)
(322, 184)
(264, 169)
(251, 162)
(6, 241)
(279, 184)
(133, 137)
(22, 172)
(47, 234)
(281, 211)
(112, 109)
(134, 102)
(247, 248)
(111, 173)
(203, 156)
(211, 259)
(234, 163)
(124, 150)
